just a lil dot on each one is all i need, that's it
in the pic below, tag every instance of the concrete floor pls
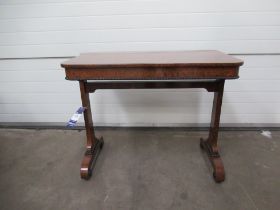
(137, 169)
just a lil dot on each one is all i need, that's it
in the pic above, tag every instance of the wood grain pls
(208, 64)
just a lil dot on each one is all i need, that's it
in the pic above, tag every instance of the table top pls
(145, 59)
(204, 64)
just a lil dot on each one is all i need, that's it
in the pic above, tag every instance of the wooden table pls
(149, 70)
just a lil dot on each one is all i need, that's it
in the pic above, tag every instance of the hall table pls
(149, 70)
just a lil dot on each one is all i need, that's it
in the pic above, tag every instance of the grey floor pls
(137, 169)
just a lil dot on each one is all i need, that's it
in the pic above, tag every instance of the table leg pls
(210, 144)
(94, 145)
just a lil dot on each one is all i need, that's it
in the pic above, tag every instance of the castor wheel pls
(218, 177)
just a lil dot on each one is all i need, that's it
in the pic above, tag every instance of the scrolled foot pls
(219, 171)
(216, 161)
(90, 159)
(85, 173)
(219, 176)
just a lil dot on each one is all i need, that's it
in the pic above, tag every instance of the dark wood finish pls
(153, 65)
(210, 86)
(201, 58)
(93, 145)
(210, 145)
(145, 73)
(162, 70)
(87, 115)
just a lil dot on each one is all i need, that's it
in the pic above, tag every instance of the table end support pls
(210, 145)
(93, 145)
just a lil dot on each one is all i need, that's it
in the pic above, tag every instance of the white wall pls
(37, 35)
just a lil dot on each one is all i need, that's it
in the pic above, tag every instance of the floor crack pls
(247, 194)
